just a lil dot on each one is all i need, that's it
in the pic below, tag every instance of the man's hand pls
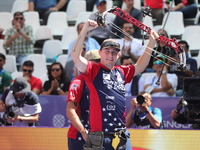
(134, 103)
(91, 25)
(53, 9)
(174, 114)
(54, 84)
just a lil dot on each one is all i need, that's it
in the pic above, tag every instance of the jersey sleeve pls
(128, 72)
(75, 90)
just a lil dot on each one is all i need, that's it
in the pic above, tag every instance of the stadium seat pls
(10, 65)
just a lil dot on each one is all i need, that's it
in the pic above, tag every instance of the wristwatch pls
(164, 71)
(58, 89)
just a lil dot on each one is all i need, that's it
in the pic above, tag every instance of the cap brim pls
(27, 89)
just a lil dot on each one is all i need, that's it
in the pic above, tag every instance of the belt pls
(109, 134)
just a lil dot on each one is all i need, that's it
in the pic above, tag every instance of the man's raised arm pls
(79, 61)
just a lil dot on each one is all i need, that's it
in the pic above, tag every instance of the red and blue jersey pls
(79, 94)
(107, 96)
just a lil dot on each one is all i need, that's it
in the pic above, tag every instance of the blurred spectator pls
(5, 77)
(157, 9)
(57, 84)
(187, 7)
(19, 38)
(90, 43)
(100, 33)
(142, 114)
(191, 68)
(167, 83)
(162, 48)
(130, 47)
(45, 7)
(137, 83)
(1, 33)
(135, 13)
(36, 83)
(78, 107)
(20, 104)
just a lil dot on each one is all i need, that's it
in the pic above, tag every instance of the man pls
(5, 77)
(78, 107)
(19, 38)
(100, 33)
(45, 7)
(137, 83)
(142, 114)
(20, 104)
(191, 68)
(130, 47)
(36, 83)
(89, 42)
(168, 82)
(157, 10)
(106, 85)
(133, 12)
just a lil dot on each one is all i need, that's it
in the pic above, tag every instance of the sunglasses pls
(19, 18)
(57, 69)
(111, 44)
(29, 71)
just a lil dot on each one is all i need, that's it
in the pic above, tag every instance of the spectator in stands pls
(135, 13)
(142, 114)
(36, 83)
(20, 100)
(100, 33)
(19, 38)
(57, 84)
(187, 7)
(45, 7)
(191, 68)
(137, 83)
(157, 9)
(130, 47)
(164, 49)
(5, 77)
(89, 42)
(78, 107)
(167, 83)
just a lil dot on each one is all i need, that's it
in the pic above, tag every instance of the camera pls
(8, 114)
(140, 99)
(191, 101)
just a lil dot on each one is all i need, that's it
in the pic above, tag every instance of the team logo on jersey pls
(106, 76)
(73, 87)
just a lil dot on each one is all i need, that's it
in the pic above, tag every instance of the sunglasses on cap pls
(19, 18)
(111, 44)
(26, 70)
(158, 62)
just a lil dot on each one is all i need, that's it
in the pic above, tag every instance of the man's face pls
(20, 19)
(27, 71)
(127, 62)
(129, 3)
(2, 62)
(184, 47)
(109, 56)
(128, 28)
(102, 7)
(19, 95)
